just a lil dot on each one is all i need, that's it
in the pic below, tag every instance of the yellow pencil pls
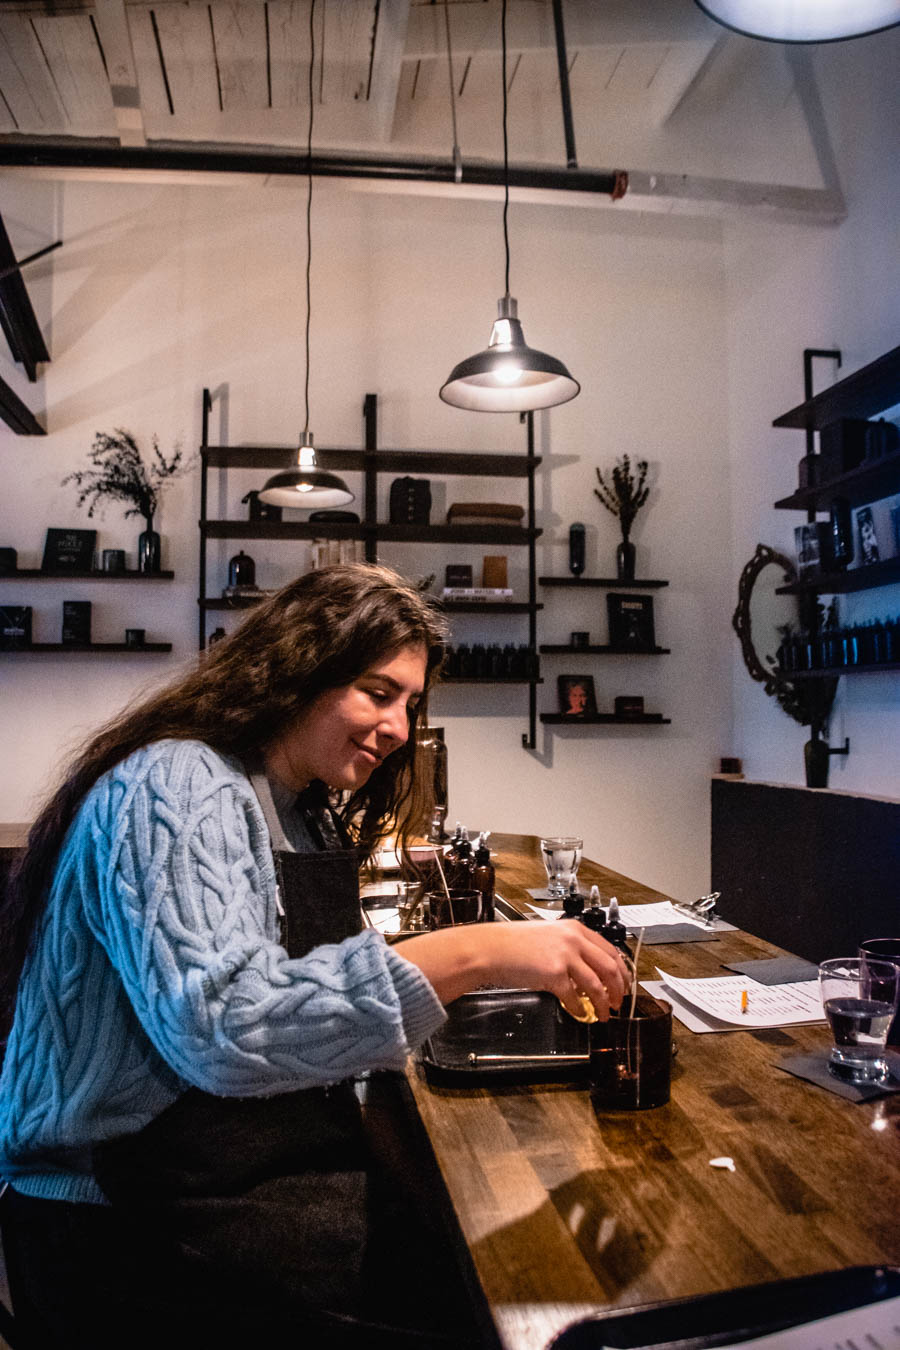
(745, 1000)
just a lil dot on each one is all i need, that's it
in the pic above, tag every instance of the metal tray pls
(520, 1022)
(735, 1315)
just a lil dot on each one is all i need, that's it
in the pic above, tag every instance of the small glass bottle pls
(484, 877)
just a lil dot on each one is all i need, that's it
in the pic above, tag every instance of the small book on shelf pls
(476, 593)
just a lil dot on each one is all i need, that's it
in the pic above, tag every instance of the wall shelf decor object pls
(33, 574)
(371, 462)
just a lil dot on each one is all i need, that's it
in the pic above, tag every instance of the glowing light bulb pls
(508, 373)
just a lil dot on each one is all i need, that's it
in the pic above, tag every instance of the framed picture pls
(576, 696)
(69, 551)
(631, 622)
(868, 539)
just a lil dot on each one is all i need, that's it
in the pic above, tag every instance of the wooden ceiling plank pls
(387, 67)
(240, 38)
(114, 33)
(186, 40)
(25, 80)
(70, 47)
(346, 46)
(289, 52)
(476, 27)
(153, 100)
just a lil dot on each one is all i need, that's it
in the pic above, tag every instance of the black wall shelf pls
(605, 719)
(38, 574)
(831, 672)
(370, 462)
(867, 391)
(616, 582)
(79, 649)
(566, 649)
(844, 583)
(868, 483)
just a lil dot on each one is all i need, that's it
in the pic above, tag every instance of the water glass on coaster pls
(859, 995)
(562, 858)
(885, 949)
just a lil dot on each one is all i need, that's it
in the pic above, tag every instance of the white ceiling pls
(699, 118)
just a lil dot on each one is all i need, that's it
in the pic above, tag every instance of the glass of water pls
(562, 857)
(859, 995)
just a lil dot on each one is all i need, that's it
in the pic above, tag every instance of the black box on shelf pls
(69, 551)
(15, 628)
(76, 623)
(631, 622)
(628, 705)
(410, 501)
(807, 472)
(458, 575)
(882, 438)
(842, 447)
(9, 560)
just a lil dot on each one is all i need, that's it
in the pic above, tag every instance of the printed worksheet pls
(664, 912)
(739, 1002)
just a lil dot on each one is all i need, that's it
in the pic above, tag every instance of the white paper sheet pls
(689, 1017)
(664, 912)
(768, 1005)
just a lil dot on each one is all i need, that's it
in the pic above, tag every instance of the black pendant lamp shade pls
(509, 376)
(803, 20)
(306, 488)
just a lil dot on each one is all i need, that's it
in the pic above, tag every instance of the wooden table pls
(566, 1212)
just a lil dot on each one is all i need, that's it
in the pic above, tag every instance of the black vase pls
(816, 756)
(625, 557)
(149, 549)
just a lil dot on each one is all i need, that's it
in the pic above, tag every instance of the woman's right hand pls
(562, 957)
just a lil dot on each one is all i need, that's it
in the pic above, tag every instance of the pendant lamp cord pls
(309, 188)
(505, 147)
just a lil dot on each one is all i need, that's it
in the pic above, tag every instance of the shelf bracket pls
(840, 749)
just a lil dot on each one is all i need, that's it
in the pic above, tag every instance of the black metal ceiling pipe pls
(562, 62)
(225, 159)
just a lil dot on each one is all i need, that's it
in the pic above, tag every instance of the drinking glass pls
(562, 856)
(885, 949)
(859, 996)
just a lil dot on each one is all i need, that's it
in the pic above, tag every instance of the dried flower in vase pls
(119, 473)
(624, 496)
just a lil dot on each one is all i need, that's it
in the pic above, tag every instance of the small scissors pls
(703, 909)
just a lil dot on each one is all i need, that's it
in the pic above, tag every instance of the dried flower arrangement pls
(625, 496)
(120, 474)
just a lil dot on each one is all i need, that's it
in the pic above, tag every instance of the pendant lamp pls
(803, 20)
(509, 376)
(307, 487)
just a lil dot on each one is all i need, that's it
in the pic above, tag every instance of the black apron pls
(263, 1203)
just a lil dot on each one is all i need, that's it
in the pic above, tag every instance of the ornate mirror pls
(759, 621)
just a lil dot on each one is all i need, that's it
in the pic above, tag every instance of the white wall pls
(789, 288)
(687, 337)
(160, 291)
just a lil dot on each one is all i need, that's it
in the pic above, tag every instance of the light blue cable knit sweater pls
(157, 967)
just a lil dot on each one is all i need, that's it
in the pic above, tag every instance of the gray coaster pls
(658, 933)
(814, 1068)
(543, 896)
(777, 970)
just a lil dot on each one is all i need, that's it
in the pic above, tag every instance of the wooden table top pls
(566, 1211)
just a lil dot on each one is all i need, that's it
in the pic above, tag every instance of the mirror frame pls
(793, 698)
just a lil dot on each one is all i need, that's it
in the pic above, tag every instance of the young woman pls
(193, 994)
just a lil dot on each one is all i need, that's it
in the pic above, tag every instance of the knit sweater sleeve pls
(183, 902)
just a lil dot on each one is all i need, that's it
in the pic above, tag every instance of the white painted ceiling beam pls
(387, 66)
(115, 38)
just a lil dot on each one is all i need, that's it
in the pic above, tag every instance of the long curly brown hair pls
(317, 633)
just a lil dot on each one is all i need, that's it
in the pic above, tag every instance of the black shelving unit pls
(372, 461)
(869, 390)
(40, 574)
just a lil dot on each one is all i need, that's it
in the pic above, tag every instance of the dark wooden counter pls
(566, 1212)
